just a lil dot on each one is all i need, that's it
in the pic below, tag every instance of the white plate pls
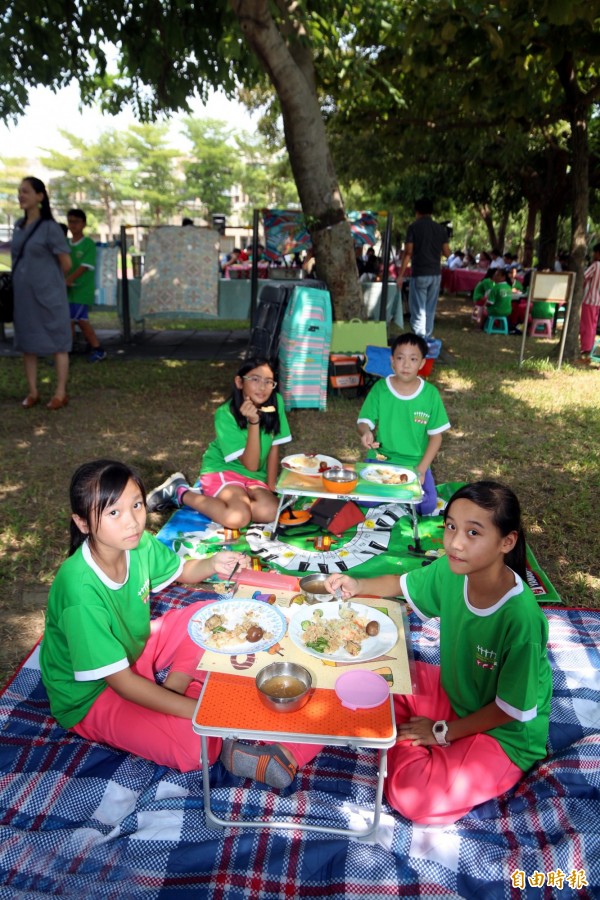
(371, 647)
(379, 473)
(294, 463)
(268, 617)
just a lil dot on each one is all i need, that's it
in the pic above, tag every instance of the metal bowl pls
(281, 679)
(313, 588)
(339, 481)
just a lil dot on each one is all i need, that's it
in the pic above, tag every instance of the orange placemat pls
(229, 702)
(394, 665)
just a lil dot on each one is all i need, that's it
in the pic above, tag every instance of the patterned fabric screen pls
(181, 272)
(107, 261)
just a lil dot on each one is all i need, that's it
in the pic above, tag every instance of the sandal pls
(30, 400)
(266, 763)
(57, 402)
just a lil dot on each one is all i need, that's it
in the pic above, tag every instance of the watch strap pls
(440, 730)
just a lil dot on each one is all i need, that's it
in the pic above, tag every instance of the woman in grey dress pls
(42, 321)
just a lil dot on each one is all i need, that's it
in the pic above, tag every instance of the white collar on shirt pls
(108, 582)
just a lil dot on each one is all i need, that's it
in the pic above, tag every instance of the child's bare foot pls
(178, 682)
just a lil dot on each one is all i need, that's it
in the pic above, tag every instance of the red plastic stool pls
(540, 328)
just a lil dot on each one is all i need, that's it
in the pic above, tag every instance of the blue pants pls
(423, 294)
(429, 501)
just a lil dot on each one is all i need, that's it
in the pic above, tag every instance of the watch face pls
(440, 730)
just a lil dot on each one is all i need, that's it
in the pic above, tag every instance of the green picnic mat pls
(379, 546)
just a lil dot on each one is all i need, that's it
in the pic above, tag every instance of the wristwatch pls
(440, 730)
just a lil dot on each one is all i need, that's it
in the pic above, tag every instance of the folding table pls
(290, 485)
(229, 707)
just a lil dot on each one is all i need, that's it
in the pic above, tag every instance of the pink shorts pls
(438, 785)
(213, 482)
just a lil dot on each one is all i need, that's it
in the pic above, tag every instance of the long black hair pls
(40, 188)
(94, 486)
(504, 506)
(269, 422)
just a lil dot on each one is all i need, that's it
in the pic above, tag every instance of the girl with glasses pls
(240, 466)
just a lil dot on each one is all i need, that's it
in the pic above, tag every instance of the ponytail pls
(40, 188)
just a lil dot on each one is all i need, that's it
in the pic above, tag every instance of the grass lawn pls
(533, 427)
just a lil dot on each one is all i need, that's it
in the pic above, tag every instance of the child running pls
(480, 719)
(407, 415)
(239, 468)
(101, 652)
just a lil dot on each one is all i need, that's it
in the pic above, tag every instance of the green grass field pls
(534, 427)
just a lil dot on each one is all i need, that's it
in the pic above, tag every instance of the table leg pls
(382, 772)
(416, 547)
(283, 504)
(212, 821)
(279, 511)
(216, 822)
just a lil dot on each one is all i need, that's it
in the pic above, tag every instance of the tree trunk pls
(579, 110)
(486, 214)
(502, 231)
(548, 241)
(290, 68)
(529, 236)
(580, 187)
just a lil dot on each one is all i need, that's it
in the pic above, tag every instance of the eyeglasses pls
(256, 380)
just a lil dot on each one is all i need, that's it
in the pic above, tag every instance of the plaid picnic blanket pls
(82, 820)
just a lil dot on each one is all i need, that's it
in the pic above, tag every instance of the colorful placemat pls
(394, 665)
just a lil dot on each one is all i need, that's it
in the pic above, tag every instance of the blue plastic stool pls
(496, 325)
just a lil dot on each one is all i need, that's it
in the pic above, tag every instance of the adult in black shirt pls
(426, 241)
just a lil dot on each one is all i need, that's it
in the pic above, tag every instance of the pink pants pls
(164, 739)
(438, 785)
(588, 326)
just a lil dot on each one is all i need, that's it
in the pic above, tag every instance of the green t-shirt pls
(95, 627)
(403, 425)
(541, 309)
(223, 453)
(500, 299)
(482, 288)
(490, 655)
(83, 253)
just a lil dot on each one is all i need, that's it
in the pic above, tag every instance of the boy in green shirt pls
(499, 298)
(408, 416)
(81, 282)
(483, 287)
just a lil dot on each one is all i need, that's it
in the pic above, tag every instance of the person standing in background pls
(40, 261)
(590, 306)
(426, 241)
(81, 282)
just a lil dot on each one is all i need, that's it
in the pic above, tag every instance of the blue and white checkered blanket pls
(83, 820)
